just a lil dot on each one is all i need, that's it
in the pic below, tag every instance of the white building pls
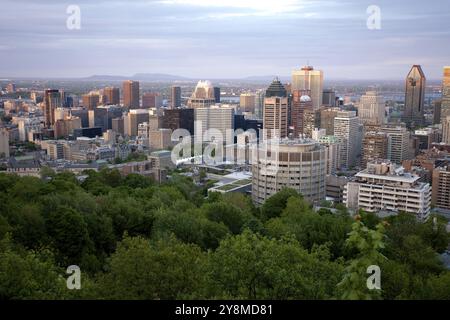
(384, 188)
(217, 120)
(4, 143)
(300, 164)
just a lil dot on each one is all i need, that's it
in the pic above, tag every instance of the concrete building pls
(371, 109)
(398, 143)
(441, 188)
(346, 129)
(335, 186)
(299, 164)
(385, 188)
(311, 121)
(160, 139)
(307, 78)
(213, 118)
(374, 147)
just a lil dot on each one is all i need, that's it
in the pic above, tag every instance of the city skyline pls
(215, 39)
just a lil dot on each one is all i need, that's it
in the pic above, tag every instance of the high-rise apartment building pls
(52, 100)
(385, 188)
(441, 188)
(276, 110)
(300, 164)
(131, 94)
(371, 109)
(112, 95)
(175, 97)
(374, 147)
(398, 143)
(309, 79)
(346, 129)
(413, 114)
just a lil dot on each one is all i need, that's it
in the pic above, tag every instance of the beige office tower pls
(203, 96)
(446, 130)
(445, 104)
(133, 119)
(371, 109)
(300, 164)
(131, 94)
(346, 128)
(112, 95)
(374, 147)
(398, 143)
(160, 139)
(215, 119)
(247, 102)
(440, 197)
(309, 79)
(327, 116)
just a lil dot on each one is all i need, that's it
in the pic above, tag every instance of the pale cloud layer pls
(223, 38)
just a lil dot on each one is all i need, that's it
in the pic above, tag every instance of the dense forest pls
(135, 239)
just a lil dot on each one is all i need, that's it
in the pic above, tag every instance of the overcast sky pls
(223, 38)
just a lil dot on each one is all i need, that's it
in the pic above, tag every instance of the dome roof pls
(305, 98)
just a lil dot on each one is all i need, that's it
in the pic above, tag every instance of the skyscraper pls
(52, 100)
(91, 100)
(398, 143)
(151, 100)
(413, 115)
(175, 97)
(371, 109)
(300, 164)
(276, 110)
(213, 118)
(203, 96)
(131, 94)
(346, 128)
(309, 79)
(247, 102)
(446, 130)
(301, 101)
(445, 105)
(217, 94)
(112, 95)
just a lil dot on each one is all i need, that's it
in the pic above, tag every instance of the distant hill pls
(138, 76)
